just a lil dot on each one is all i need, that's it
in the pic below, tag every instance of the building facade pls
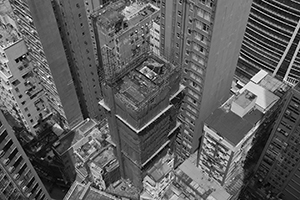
(21, 94)
(18, 178)
(277, 169)
(271, 41)
(48, 65)
(206, 38)
(60, 37)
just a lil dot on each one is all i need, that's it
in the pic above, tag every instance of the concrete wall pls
(46, 25)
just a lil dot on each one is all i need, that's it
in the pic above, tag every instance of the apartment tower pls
(277, 170)
(271, 41)
(230, 130)
(207, 37)
(18, 178)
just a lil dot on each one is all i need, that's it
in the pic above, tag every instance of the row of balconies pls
(277, 11)
(263, 45)
(269, 20)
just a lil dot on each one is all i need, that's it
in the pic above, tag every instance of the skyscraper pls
(278, 167)
(140, 87)
(45, 47)
(21, 94)
(60, 38)
(206, 40)
(18, 178)
(271, 41)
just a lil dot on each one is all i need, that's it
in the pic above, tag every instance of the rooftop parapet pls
(118, 17)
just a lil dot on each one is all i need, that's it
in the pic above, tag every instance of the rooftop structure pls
(79, 191)
(144, 82)
(8, 32)
(191, 183)
(123, 189)
(120, 16)
(158, 178)
(123, 30)
(237, 116)
(78, 137)
(90, 151)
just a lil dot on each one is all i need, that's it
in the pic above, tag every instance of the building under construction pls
(141, 113)
(141, 90)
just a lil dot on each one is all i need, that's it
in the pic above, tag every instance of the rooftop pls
(161, 168)
(265, 80)
(144, 81)
(78, 136)
(231, 126)
(260, 93)
(79, 191)
(120, 15)
(194, 185)
(245, 98)
(8, 33)
(122, 188)
(104, 159)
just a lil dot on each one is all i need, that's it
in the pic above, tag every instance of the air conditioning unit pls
(20, 182)
(16, 176)
(24, 188)
(28, 194)
(6, 161)
(2, 152)
(11, 169)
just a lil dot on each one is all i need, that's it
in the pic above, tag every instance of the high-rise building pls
(271, 41)
(21, 94)
(18, 178)
(207, 37)
(277, 170)
(49, 58)
(229, 131)
(60, 38)
(140, 87)
(141, 113)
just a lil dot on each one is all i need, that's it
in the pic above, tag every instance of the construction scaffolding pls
(123, 33)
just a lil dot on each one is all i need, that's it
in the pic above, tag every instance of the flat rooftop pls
(79, 191)
(194, 179)
(231, 126)
(103, 159)
(122, 188)
(8, 33)
(120, 15)
(161, 168)
(144, 80)
(88, 127)
(271, 84)
(262, 88)
(245, 98)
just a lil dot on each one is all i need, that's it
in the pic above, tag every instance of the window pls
(205, 27)
(179, 13)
